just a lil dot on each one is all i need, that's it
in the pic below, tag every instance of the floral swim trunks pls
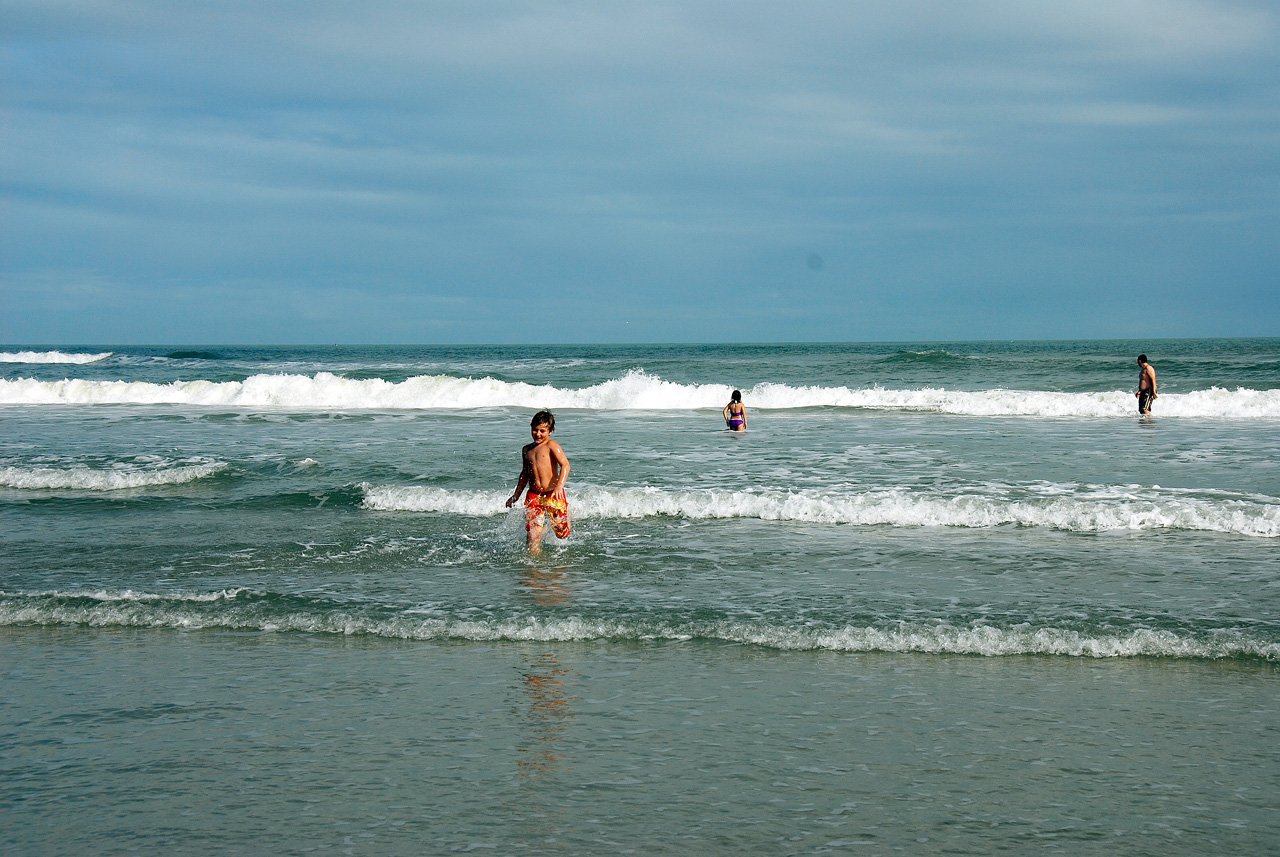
(556, 505)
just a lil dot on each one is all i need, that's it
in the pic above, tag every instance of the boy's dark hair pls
(543, 417)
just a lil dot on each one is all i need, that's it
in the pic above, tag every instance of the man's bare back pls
(1146, 385)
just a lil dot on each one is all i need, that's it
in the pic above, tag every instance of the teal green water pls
(946, 598)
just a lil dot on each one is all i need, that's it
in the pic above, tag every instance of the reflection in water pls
(547, 586)
(548, 716)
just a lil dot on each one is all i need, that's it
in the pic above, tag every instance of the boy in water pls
(545, 469)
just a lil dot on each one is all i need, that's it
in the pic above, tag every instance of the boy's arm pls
(524, 478)
(558, 456)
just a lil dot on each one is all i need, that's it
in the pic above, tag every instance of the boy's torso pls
(542, 467)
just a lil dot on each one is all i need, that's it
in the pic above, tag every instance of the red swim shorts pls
(556, 505)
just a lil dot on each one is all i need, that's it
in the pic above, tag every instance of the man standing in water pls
(1146, 385)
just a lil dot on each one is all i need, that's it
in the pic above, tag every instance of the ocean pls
(940, 598)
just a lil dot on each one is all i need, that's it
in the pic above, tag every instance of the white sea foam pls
(635, 390)
(1088, 509)
(247, 609)
(93, 479)
(422, 499)
(50, 357)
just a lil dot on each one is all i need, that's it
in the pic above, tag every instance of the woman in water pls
(735, 413)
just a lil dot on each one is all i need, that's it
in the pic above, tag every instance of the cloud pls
(654, 150)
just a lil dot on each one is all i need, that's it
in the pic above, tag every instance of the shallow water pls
(939, 599)
(245, 742)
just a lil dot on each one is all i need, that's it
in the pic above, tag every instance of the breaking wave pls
(93, 479)
(1087, 509)
(50, 357)
(636, 390)
(246, 609)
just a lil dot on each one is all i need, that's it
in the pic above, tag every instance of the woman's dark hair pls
(736, 397)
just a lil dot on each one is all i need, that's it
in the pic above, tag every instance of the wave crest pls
(934, 356)
(50, 357)
(636, 390)
(89, 479)
(251, 610)
(1090, 509)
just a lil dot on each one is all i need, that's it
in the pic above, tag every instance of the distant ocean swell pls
(250, 610)
(634, 390)
(1088, 509)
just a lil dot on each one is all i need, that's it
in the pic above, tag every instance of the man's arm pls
(1151, 376)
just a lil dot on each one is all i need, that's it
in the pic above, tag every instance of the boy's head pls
(543, 418)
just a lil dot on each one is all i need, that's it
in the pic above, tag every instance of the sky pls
(322, 172)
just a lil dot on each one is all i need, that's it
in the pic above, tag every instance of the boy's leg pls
(557, 506)
(533, 528)
(560, 523)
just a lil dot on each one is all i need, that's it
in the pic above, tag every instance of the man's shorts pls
(556, 505)
(1144, 401)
